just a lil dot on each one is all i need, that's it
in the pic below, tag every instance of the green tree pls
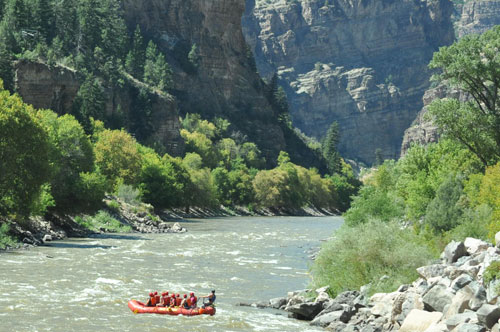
(24, 155)
(117, 156)
(71, 153)
(194, 57)
(444, 212)
(329, 148)
(157, 72)
(90, 102)
(134, 62)
(472, 65)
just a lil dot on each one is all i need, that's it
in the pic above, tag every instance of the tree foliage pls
(24, 155)
(472, 64)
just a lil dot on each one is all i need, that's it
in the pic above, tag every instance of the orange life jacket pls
(178, 301)
(154, 301)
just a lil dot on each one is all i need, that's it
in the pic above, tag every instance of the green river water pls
(85, 284)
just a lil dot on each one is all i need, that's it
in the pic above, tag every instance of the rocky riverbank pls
(140, 217)
(458, 293)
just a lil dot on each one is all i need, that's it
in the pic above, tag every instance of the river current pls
(85, 284)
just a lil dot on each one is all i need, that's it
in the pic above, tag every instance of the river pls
(84, 284)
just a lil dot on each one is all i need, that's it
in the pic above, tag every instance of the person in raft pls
(184, 302)
(172, 301)
(211, 299)
(165, 299)
(152, 300)
(193, 300)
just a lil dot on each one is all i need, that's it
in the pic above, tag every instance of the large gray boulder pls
(335, 316)
(479, 297)
(453, 251)
(277, 303)
(419, 320)
(461, 281)
(431, 271)
(468, 327)
(488, 315)
(465, 317)
(491, 291)
(437, 298)
(460, 302)
(474, 246)
(306, 310)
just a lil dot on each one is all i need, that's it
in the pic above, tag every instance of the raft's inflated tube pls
(140, 308)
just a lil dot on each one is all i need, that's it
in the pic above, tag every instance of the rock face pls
(478, 16)
(362, 63)
(223, 82)
(56, 88)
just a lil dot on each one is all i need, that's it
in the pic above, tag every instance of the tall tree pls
(473, 66)
(329, 149)
(134, 63)
(157, 72)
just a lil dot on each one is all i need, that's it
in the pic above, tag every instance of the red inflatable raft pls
(140, 308)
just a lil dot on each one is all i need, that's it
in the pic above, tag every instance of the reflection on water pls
(85, 284)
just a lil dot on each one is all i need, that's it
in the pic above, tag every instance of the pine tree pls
(329, 149)
(157, 72)
(134, 63)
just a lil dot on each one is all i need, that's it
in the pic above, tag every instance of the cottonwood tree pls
(473, 66)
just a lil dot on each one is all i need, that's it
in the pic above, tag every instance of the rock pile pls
(449, 295)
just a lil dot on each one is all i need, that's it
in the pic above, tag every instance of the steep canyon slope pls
(362, 63)
(212, 75)
(223, 81)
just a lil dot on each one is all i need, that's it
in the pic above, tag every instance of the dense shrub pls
(103, 221)
(362, 255)
(5, 239)
(444, 211)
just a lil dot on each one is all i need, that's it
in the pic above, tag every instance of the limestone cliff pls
(478, 16)
(223, 82)
(56, 88)
(362, 63)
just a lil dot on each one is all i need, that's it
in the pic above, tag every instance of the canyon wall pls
(362, 63)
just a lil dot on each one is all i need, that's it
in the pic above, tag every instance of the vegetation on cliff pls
(444, 191)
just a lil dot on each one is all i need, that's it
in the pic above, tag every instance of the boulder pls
(47, 238)
(479, 297)
(488, 315)
(468, 327)
(347, 297)
(460, 302)
(474, 246)
(431, 271)
(177, 228)
(453, 251)
(496, 328)
(465, 317)
(337, 326)
(412, 301)
(382, 303)
(277, 303)
(491, 291)
(437, 298)
(419, 320)
(460, 282)
(335, 316)
(306, 311)
(322, 297)
(437, 327)
(497, 240)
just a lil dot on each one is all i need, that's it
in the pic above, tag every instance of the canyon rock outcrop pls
(360, 63)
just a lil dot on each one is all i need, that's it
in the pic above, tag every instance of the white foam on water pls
(233, 253)
(283, 268)
(108, 281)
